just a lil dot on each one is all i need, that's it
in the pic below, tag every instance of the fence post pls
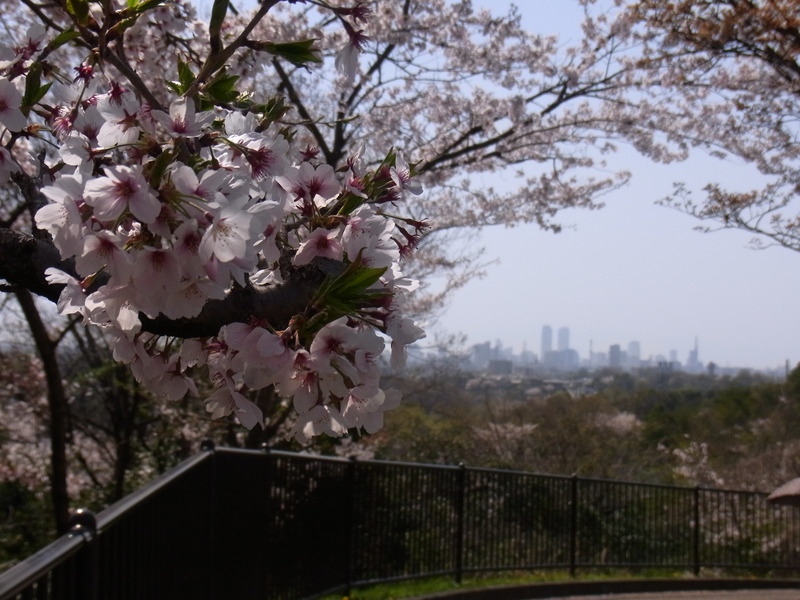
(266, 520)
(208, 445)
(350, 482)
(460, 508)
(696, 532)
(84, 524)
(573, 526)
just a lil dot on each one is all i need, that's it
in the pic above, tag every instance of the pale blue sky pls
(634, 270)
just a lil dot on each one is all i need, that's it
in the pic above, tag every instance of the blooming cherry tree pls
(185, 217)
(733, 69)
(173, 199)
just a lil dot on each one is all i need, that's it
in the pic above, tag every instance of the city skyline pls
(565, 358)
(633, 269)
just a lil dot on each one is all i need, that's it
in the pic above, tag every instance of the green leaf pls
(33, 85)
(352, 283)
(142, 7)
(118, 29)
(79, 10)
(185, 79)
(348, 293)
(350, 203)
(273, 110)
(62, 38)
(297, 53)
(185, 75)
(174, 87)
(39, 94)
(222, 89)
(159, 167)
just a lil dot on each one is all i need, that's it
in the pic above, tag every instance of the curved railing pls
(246, 524)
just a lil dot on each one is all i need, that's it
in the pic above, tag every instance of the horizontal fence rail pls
(246, 524)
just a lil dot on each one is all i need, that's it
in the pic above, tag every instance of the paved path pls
(768, 594)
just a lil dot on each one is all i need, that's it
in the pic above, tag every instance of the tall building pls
(615, 356)
(563, 339)
(634, 354)
(547, 340)
(693, 364)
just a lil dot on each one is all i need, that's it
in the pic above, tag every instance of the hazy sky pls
(635, 270)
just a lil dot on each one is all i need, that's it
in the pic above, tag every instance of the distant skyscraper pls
(563, 339)
(634, 354)
(693, 364)
(615, 356)
(547, 340)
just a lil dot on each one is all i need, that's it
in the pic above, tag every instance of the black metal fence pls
(245, 524)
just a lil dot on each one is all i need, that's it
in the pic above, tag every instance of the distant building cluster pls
(556, 356)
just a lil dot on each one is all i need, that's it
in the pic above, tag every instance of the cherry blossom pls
(7, 165)
(10, 100)
(182, 121)
(226, 401)
(123, 188)
(321, 242)
(119, 111)
(216, 239)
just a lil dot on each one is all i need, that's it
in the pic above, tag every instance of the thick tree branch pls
(24, 259)
(276, 304)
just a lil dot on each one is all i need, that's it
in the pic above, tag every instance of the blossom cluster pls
(167, 210)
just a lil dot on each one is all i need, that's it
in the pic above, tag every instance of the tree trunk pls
(57, 406)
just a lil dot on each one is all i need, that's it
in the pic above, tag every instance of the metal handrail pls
(33, 568)
(113, 513)
(382, 513)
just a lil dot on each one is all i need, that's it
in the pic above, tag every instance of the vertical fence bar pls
(266, 518)
(350, 487)
(696, 531)
(573, 527)
(84, 524)
(460, 507)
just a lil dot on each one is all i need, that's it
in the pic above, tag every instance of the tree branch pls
(24, 259)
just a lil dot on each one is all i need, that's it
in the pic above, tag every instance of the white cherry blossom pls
(182, 121)
(123, 188)
(120, 115)
(10, 100)
(163, 210)
(321, 242)
(226, 401)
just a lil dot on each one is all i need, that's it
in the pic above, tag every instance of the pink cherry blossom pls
(403, 331)
(182, 121)
(123, 188)
(229, 236)
(226, 401)
(104, 251)
(311, 184)
(162, 210)
(72, 298)
(321, 242)
(322, 419)
(401, 175)
(7, 165)
(120, 115)
(10, 100)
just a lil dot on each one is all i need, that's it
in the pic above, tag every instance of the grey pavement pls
(763, 594)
